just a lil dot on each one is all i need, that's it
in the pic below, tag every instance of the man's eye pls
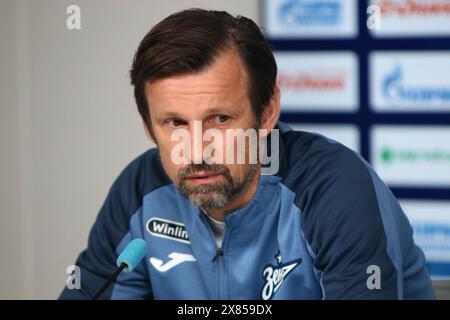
(221, 119)
(175, 123)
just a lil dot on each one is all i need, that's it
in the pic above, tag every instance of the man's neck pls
(241, 200)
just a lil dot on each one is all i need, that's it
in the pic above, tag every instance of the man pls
(324, 226)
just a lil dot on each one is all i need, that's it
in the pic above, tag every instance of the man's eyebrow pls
(220, 109)
(209, 111)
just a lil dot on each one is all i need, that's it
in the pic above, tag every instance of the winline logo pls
(389, 155)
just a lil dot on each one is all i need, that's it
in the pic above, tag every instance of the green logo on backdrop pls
(389, 155)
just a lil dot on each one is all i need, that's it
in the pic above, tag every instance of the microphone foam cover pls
(133, 253)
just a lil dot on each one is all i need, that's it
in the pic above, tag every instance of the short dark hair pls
(188, 41)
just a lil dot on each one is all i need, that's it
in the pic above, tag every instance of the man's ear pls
(271, 112)
(147, 133)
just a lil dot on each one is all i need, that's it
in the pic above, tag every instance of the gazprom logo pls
(311, 13)
(394, 89)
(433, 238)
(432, 229)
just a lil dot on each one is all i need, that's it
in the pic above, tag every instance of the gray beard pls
(215, 196)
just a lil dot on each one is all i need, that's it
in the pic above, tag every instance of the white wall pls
(68, 125)
(10, 233)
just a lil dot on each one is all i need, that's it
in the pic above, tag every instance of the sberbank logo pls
(389, 155)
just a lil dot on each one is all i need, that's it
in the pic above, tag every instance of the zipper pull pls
(219, 253)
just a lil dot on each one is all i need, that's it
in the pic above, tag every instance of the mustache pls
(210, 168)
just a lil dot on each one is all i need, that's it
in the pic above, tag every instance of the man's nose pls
(197, 144)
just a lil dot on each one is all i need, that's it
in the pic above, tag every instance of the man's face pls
(216, 98)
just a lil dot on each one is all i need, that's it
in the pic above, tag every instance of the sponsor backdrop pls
(375, 75)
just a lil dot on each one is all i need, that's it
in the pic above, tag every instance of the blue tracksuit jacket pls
(324, 227)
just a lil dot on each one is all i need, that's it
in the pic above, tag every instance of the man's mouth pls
(203, 177)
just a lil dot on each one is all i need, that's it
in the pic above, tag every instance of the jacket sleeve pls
(358, 235)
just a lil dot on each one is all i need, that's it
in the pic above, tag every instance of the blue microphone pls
(130, 257)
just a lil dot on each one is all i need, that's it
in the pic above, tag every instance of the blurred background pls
(374, 75)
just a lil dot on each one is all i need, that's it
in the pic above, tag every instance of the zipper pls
(219, 253)
(218, 257)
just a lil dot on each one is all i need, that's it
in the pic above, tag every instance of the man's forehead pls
(226, 76)
(221, 88)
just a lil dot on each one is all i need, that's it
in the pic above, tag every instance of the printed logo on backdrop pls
(390, 155)
(395, 90)
(307, 13)
(410, 81)
(433, 238)
(310, 18)
(412, 155)
(431, 224)
(317, 81)
(400, 18)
